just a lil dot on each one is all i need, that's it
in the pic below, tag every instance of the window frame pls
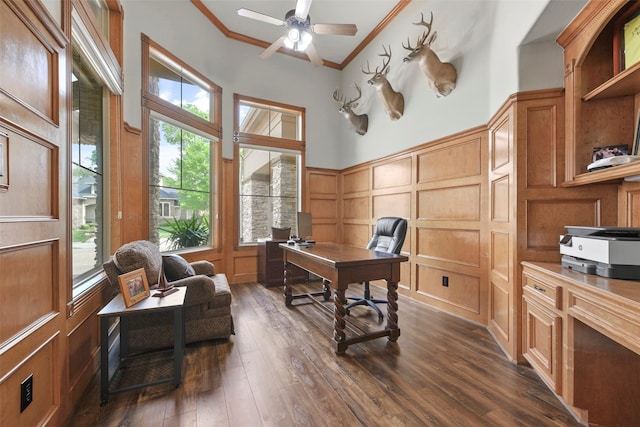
(154, 106)
(264, 142)
(81, 27)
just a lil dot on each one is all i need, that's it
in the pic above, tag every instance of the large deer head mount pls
(442, 76)
(392, 101)
(360, 122)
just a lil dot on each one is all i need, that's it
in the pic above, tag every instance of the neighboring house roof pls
(81, 188)
(169, 194)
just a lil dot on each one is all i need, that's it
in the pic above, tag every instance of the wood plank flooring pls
(280, 370)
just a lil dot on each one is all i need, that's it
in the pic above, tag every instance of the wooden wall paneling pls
(356, 215)
(133, 194)
(392, 173)
(322, 199)
(33, 214)
(448, 204)
(629, 205)
(355, 180)
(502, 229)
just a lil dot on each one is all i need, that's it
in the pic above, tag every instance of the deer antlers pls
(385, 63)
(423, 38)
(359, 122)
(347, 104)
(442, 76)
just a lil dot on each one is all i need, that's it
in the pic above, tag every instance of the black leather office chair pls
(388, 236)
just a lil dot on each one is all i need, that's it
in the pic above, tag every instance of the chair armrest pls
(201, 290)
(204, 267)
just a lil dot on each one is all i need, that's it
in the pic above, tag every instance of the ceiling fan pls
(299, 30)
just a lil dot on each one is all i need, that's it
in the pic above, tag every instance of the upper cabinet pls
(601, 92)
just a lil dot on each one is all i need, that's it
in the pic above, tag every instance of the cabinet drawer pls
(543, 342)
(548, 293)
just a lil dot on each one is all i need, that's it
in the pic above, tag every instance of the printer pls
(612, 252)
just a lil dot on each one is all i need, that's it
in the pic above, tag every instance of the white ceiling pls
(366, 14)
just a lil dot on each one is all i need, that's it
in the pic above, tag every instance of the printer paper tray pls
(624, 272)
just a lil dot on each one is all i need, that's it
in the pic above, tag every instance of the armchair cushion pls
(176, 267)
(139, 254)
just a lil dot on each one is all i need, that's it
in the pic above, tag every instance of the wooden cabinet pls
(583, 339)
(601, 101)
(271, 266)
(542, 346)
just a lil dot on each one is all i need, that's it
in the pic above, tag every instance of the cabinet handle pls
(538, 288)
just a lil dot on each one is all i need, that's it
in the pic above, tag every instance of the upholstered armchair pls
(207, 301)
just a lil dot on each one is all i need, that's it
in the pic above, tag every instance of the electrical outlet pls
(26, 392)
(445, 281)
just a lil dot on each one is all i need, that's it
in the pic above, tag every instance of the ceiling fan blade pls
(260, 16)
(302, 9)
(338, 29)
(273, 48)
(313, 55)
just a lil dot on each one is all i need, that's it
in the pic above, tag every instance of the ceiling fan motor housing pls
(293, 21)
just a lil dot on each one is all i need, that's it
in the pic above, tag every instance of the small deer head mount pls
(360, 122)
(392, 101)
(442, 76)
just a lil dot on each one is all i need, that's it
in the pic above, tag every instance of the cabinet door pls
(543, 341)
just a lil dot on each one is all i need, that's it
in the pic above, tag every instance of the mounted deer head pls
(392, 101)
(360, 122)
(442, 76)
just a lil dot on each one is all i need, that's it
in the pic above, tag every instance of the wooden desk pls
(581, 333)
(173, 302)
(340, 265)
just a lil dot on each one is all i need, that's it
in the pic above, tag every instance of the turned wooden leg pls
(288, 297)
(327, 289)
(339, 301)
(392, 310)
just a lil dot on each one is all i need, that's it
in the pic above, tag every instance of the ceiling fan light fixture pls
(305, 39)
(294, 35)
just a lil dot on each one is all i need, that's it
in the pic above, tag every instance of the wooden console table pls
(340, 265)
(116, 308)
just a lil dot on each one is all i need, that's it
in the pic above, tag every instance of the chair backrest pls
(388, 235)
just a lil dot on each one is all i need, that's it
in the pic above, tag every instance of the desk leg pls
(392, 310)
(339, 311)
(288, 296)
(104, 360)
(178, 344)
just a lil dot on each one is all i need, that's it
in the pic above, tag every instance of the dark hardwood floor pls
(280, 370)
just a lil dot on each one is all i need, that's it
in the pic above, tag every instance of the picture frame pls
(134, 287)
(626, 39)
(610, 151)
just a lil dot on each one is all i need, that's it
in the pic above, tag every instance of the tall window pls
(183, 130)
(269, 152)
(95, 79)
(87, 170)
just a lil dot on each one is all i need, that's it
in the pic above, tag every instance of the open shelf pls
(626, 83)
(605, 175)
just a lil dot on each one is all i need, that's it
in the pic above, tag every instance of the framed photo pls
(610, 151)
(626, 39)
(134, 286)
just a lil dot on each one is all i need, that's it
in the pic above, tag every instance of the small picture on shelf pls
(636, 139)
(610, 151)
